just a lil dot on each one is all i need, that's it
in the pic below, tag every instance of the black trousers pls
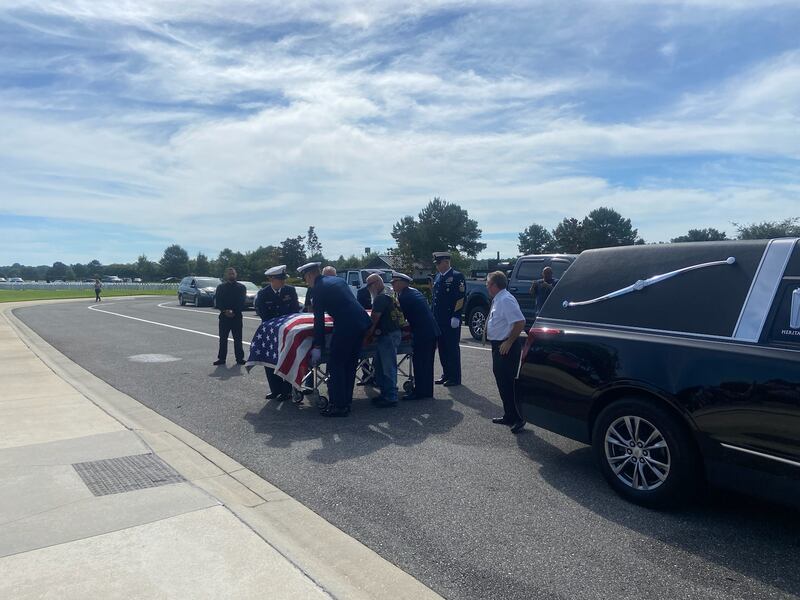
(450, 352)
(505, 371)
(277, 385)
(342, 362)
(424, 352)
(231, 325)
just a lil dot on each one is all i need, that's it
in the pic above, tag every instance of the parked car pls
(3, 280)
(111, 279)
(15, 280)
(252, 291)
(526, 270)
(678, 363)
(137, 280)
(197, 290)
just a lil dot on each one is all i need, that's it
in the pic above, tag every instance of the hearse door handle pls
(512, 289)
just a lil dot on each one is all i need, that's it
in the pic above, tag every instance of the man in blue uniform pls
(425, 331)
(332, 295)
(276, 300)
(449, 289)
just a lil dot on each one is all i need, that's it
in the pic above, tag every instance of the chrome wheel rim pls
(637, 453)
(478, 322)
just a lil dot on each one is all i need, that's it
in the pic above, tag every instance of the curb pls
(341, 565)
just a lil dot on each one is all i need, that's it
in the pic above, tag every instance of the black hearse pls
(678, 363)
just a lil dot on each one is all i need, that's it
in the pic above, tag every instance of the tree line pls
(440, 225)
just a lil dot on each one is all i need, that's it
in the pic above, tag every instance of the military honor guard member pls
(503, 327)
(332, 295)
(230, 299)
(449, 290)
(425, 331)
(275, 300)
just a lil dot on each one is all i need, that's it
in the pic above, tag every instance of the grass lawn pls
(22, 295)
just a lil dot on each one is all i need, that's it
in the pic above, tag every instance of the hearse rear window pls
(705, 301)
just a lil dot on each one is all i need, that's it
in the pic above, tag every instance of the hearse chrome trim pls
(643, 283)
(763, 289)
(794, 463)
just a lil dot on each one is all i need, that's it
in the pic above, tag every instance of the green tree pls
(568, 236)
(701, 235)
(313, 245)
(605, 227)
(94, 268)
(175, 261)
(535, 239)
(439, 226)
(57, 271)
(147, 269)
(293, 253)
(769, 229)
(80, 271)
(201, 264)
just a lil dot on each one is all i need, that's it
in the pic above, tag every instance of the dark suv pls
(678, 363)
(198, 290)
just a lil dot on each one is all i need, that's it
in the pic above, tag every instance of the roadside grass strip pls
(24, 295)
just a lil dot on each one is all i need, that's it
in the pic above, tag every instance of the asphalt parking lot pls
(469, 509)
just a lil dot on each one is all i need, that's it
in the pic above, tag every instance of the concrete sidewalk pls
(102, 497)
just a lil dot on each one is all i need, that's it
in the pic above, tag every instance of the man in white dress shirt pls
(505, 323)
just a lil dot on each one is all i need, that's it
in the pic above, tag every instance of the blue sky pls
(128, 126)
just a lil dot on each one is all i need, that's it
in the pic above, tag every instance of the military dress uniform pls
(425, 331)
(269, 304)
(449, 290)
(332, 295)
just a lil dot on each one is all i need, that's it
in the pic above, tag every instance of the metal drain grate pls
(125, 474)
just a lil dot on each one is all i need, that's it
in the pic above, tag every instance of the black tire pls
(642, 478)
(408, 386)
(181, 301)
(476, 320)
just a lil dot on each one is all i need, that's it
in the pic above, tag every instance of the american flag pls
(284, 343)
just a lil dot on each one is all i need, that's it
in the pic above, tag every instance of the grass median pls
(24, 295)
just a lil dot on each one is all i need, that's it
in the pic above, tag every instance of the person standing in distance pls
(541, 288)
(275, 300)
(425, 331)
(449, 290)
(332, 295)
(503, 327)
(230, 299)
(97, 289)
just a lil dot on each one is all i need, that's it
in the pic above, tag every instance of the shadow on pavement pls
(367, 429)
(745, 535)
(224, 372)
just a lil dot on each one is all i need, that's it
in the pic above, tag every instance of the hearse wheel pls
(181, 301)
(477, 321)
(645, 453)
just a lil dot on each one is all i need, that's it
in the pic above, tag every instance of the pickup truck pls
(357, 278)
(678, 363)
(526, 270)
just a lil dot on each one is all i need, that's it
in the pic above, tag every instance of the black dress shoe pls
(384, 403)
(518, 426)
(440, 381)
(415, 396)
(335, 411)
(241, 362)
(218, 362)
(451, 384)
(502, 421)
(282, 397)
(271, 396)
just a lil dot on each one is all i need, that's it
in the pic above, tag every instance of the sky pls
(129, 125)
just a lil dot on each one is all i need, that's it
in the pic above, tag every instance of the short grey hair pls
(498, 278)
(329, 270)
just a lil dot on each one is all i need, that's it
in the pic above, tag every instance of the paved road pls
(463, 505)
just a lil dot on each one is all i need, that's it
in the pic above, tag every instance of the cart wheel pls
(408, 386)
(297, 397)
(322, 402)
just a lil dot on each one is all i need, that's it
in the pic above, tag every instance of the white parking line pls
(202, 312)
(108, 312)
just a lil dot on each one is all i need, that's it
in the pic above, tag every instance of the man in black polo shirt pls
(229, 299)
(385, 332)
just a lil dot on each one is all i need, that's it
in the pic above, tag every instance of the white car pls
(16, 280)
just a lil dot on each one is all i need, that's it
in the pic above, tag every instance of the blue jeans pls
(386, 364)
